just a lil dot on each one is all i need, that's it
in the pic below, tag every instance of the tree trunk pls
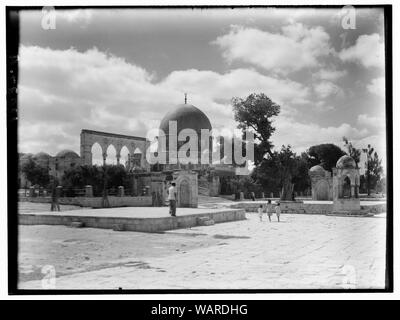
(287, 189)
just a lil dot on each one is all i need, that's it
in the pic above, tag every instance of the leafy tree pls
(352, 151)
(256, 112)
(80, 176)
(373, 168)
(284, 171)
(35, 173)
(326, 155)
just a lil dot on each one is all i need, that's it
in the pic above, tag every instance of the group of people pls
(270, 210)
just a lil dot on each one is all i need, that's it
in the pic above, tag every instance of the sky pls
(122, 70)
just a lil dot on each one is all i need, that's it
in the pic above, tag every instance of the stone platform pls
(142, 219)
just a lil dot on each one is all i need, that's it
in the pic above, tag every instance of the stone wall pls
(307, 208)
(95, 202)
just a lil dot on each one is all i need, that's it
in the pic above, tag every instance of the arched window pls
(97, 155)
(124, 156)
(111, 155)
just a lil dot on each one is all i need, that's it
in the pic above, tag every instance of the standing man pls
(172, 199)
(55, 205)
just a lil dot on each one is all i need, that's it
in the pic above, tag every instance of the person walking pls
(278, 210)
(172, 195)
(260, 212)
(270, 210)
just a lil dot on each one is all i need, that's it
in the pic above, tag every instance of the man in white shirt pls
(172, 199)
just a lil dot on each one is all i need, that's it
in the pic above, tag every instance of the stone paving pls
(30, 207)
(300, 252)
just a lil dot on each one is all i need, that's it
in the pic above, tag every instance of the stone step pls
(350, 214)
(205, 221)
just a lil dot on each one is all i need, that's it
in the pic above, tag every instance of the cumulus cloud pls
(303, 135)
(377, 86)
(327, 88)
(373, 123)
(65, 91)
(329, 74)
(294, 48)
(367, 51)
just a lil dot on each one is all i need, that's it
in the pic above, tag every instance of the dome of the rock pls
(187, 116)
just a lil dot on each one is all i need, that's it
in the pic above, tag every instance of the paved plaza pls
(300, 252)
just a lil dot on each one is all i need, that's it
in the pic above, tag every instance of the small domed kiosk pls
(321, 183)
(346, 183)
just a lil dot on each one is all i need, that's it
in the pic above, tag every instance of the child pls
(269, 210)
(278, 210)
(260, 212)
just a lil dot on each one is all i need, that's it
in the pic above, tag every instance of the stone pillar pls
(271, 195)
(88, 191)
(32, 191)
(134, 186)
(104, 158)
(118, 156)
(121, 191)
(352, 192)
(40, 191)
(241, 196)
(262, 195)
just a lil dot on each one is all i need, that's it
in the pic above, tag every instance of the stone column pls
(262, 195)
(88, 191)
(241, 196)
(271, 195)
(32, 191)
(352, 193)
(118, 156)
(121, 192)
(104, 158)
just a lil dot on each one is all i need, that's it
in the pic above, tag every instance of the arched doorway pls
(346, 188)
(184, 194)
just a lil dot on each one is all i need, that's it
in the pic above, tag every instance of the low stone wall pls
(306, 208)
(95, 202)
(130, 224)
(374, 208)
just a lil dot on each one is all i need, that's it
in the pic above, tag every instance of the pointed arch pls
(97, 154)
(111, 155)
(124, 156)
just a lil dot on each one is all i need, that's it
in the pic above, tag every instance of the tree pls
(352, 151)
(256, 112)
(373, 168)
(284, 171)
(326, 155)
(288, 165)
(35, 173)
(80, 176)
